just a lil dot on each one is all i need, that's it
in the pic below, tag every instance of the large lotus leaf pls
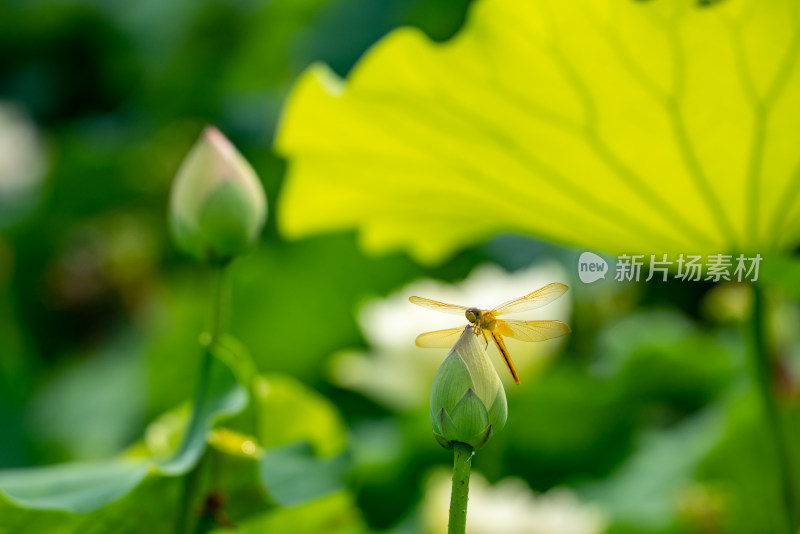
(665, 126)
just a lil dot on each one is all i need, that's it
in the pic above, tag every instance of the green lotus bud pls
(218, 207)
(468, 402)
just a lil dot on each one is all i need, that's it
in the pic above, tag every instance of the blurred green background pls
(645, 413)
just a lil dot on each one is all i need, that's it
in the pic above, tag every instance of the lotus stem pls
(191, 482)
(462, 462)
(762, 363)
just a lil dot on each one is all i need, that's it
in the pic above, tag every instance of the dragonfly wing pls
(438, 306)
(533, 330)
(439, 339)
(531, 301)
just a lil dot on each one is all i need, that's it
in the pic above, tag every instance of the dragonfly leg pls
(485, 339)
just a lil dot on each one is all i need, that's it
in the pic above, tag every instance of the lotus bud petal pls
(468, 402)
(217, 207)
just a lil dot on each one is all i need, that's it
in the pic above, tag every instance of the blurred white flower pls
(398, 374)
(22, 161)
(511, 507)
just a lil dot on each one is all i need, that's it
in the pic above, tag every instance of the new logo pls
(591, 267)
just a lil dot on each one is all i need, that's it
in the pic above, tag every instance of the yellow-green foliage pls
(620, 125)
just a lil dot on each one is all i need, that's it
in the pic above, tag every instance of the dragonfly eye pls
(472, 315)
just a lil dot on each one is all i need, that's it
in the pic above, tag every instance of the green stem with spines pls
(762, 364)
(459, 495)
(192, 479)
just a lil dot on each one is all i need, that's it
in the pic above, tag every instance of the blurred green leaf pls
(92, 422)
(745, 468)
(236, 356)
(643, 494)
(272, 313)
(78, 487)
(149, 507)
(83, 488)
(535, 112)
(565, 422)
(292, 473)
(288, 411)
(335, 514)
(782, 273)
(661, 354)
(303, 435)
(223, 397)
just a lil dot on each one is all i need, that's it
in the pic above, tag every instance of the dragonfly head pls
(473, 314)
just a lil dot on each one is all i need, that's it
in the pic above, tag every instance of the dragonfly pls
(486, 323)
